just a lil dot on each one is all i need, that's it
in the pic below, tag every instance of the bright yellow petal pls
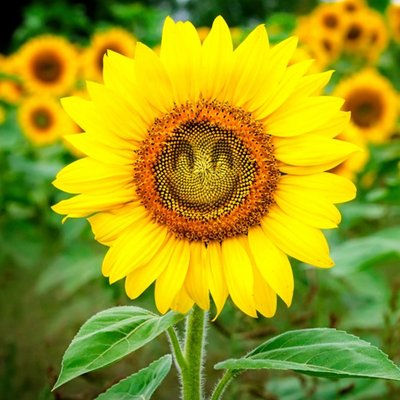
(302, 117)
(120, 77)
(141, 278)
(108, 226)
(335, 188)
(89, 145)
(93, 177)
(153, 80)
(333, 127)
(171, 280)
(264, 296)
(312, 150)
(296, 239)
(181, 56)
(275, 66)
(272, 264)
(125, 122)
(215, 276)
(134, 249)
(310, 85)
(239, 275)
(308, 207)
(289, 81)
(248, 60)
(217, 58)
(83, 205)
(84, 113)
(182, 302)
(196, 279)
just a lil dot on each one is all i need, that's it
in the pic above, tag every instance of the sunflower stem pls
(194, 354)
(176, 349)
(222, 385)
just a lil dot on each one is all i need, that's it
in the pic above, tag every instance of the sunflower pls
(48, 64)
(372, 100)
(352, 6)
(43, 120)
(393, 17)
(116, 39)
(11, 88)
(329, 17)
(205, 169)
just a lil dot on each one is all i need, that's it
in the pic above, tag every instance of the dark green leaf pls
(320, 352)
(110, 335)
(141, 385)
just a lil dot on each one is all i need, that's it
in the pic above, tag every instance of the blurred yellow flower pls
(393, 17)
(205, 168)
(372, 100)
(11, 87)
(43, 120)
(116, 39)
(48, 64)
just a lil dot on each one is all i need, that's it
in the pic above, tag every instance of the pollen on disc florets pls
(206, 171)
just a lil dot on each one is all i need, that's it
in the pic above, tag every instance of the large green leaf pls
(110, 335)
(142, 384)
(321, 352)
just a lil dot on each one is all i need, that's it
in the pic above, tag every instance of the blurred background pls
(50, 273)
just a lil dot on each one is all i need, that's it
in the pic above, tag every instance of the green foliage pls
(321, 352)
(141, 385)
(110, 335)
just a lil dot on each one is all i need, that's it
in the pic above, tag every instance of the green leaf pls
(110, 335)
(321, 352)
(142, 384)
(353, 255)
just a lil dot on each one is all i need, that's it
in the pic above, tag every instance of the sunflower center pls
(366, 108)
(331, 21)
(353, 33)
(47, 67)
(41, 119)
(206, 171)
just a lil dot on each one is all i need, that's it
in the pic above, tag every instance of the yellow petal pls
(217, 58)
(264, 296)
(196, 279)
(125, 122)
(181, 56)
(83, 205)
(108, 226)
(182, 302)
(89, 145)
(153, 80)
(335, 188)
(290, 80)
(312, 150)
(215, 276)
(171, 280)
(308, 207)
(120, 76)
(274, 69)
(296, 239)
(133, 249)
(335, 126)
(93, 177)
(239, 275)
(272, 264)
(310, 85)
(84, 113)
(248, 60)
(141, 278)
(302, 117)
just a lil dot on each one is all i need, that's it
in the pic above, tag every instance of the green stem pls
(194, 353)
(222, 385)
(176, 349)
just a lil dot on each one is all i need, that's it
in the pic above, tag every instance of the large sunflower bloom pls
(205, 168)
